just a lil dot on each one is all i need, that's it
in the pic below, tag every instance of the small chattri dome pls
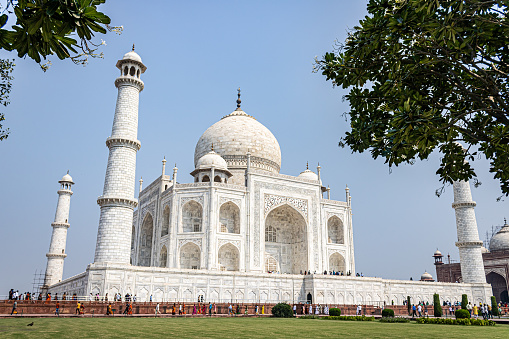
(426, 277)
(437, 253)
(66, 178)
(500, 241)
(212, 159)
(309, 175)
(132, 55)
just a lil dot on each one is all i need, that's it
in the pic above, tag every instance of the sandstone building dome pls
(237, 134)
(500, 241)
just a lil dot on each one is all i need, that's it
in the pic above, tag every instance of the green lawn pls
(234, 328)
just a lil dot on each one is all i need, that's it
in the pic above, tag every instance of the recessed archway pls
(166, 221)
(229, 218)
(145, 248)
(163, 257)
(228, 258)
(190, 255)
(335, 230)
(289, 243)
(337, 263)
(498, 285)
(191, 217)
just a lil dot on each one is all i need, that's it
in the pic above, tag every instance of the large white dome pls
(237, 134)
(500, 241)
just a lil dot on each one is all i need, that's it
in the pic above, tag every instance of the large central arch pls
(285, 239)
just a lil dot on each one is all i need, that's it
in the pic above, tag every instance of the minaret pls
(56, 254)
(118, 202)
(469, 245)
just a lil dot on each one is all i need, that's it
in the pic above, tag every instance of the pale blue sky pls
(197, 54)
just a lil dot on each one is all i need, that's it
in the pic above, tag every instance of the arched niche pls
(498, 285)
(335, 230)
(163, 257)
(270, 264)
(289, 246)
(337, 263)
(228, 258)
(145, 247)
(190, 255)
(229, 218)
(192, 217)
(165, 227)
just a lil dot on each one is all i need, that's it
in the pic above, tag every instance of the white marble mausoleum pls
(238, 231)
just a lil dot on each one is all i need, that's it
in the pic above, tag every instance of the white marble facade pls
(238, 231)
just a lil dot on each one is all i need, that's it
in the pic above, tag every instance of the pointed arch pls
(163, 257)
(146, 235)
(335, 230)
(270, 264)
(165, 228)
(190, 256)
(229, 218)
(192, 217)
(228, 258)
(289, 245)
(337, 263)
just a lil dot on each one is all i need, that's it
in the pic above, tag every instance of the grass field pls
(234, 328)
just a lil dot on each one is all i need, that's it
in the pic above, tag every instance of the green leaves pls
(423, 74)
(44, 27)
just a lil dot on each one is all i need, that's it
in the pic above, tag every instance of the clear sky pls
(198, 53)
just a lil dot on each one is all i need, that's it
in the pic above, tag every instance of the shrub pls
(494, 307)
(462, 314)
(282, 310)
(387, 312)
(309, 316)
(394, 320)
(464, 301)
(436, 306)
(408, 305)
(450, 321)
(351, 318)
(335, 312)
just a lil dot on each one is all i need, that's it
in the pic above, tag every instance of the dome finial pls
(133, 47)
(212, 147)
(307, 165)
(238, 100)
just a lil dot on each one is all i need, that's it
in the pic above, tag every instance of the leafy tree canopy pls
(47, 27)
(424, 75)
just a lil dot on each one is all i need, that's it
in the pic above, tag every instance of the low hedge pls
(462, 314)
(282, 310)
(335, 312)
(394, 320)
(351, 318)
(387, 312)
(309, 316)
(450, 321)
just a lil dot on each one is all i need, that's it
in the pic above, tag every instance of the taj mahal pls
(238, 231)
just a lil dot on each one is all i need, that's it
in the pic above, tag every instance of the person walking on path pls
(78, 307)
(57, 309)
(157, 309)
(475, 311)
(414, 309)
(294, 310)
(210, 309)
(14, 307)
(359, 310)
(419, 310)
